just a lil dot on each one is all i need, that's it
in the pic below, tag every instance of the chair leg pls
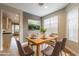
(61, 53)
(32, 46)
(43, 54)
(32, 54)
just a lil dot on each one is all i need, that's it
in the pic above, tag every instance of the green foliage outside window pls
(33, 27)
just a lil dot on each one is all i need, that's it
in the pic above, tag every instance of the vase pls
(42, 35)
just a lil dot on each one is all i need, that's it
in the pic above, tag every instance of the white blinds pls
(51, 24)
(72, 24)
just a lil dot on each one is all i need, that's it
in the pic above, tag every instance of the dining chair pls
(52, 51)
(31, 36)
(53, 41)
(63, 45)
(52, 34)
(24, 50)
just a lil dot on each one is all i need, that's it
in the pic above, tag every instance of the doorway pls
(10, 29)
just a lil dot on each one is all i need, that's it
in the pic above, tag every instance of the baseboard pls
(73, 52)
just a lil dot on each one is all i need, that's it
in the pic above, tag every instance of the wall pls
(1, 37)
(71, 45)
(27, 16)
(14, 10)
(0, 29)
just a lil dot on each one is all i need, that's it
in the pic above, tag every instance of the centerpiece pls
(42, 30)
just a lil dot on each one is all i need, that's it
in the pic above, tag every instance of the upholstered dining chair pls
(63, 42)
(24, 50)
(52, 51)
(52, 34)
(52, 42)
(63, 45)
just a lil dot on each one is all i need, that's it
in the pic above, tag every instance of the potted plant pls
(42, 30)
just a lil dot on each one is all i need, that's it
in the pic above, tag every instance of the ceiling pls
(36, 9)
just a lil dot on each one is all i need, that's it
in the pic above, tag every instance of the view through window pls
(15, 28)
(33, 24)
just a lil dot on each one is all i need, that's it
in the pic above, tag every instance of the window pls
(12, 28)
(34, 26)
(72, 24)
(51, 24)
(15, 28)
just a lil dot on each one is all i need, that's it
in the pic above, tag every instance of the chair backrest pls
(20, 49)
(57, 49)
(63, 43)
(32, 36)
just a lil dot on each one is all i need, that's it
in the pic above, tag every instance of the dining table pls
(39, 41)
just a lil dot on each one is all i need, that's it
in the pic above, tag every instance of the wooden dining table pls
(39, 41)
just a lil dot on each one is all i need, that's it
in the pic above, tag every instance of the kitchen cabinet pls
(7, 32)
(6, 40)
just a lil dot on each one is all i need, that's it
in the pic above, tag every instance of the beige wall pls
(14, 10)
(0, 29)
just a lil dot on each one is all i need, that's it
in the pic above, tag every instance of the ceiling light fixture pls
(40, 4)
(17, 15)
(46, 7)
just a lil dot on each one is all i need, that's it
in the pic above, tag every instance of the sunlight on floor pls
(13, 43)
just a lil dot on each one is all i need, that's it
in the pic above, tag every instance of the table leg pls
(38, 50)
(28, 42)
